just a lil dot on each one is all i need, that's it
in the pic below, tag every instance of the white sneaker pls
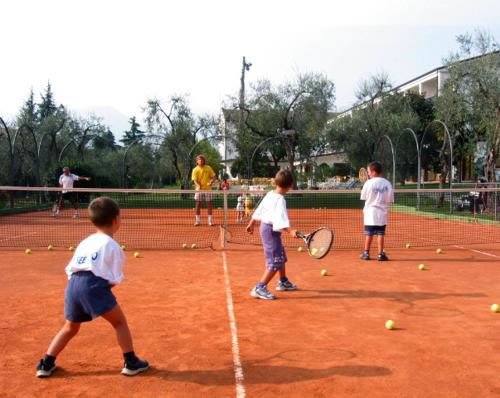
(197, 224)
(262, 293)
(287, 285)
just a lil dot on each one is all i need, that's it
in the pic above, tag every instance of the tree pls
(48, 106)
(134, 135)
(379, 113)
(104, 140)
(300, 106)
(470, 100)
(177, 129)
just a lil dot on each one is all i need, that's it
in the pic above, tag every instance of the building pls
(228, 125)
(430, 85)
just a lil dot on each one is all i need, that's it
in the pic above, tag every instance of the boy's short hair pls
(201, 157)
(102, 211)
(376, 167)
(284, 179)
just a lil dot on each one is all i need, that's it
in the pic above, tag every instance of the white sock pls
(210, 219)
(197, 218)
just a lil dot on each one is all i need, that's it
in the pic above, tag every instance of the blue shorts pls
(274, 252)
(87, 296)
(371, 230)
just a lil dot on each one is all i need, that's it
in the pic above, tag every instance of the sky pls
(108, 57)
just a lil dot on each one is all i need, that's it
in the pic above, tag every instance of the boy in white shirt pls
(240, 209)
(378, 195)
(273, 216)
(95, 268)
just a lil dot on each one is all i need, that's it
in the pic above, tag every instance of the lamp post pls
(448, 135)
(64, 148)
(393, 160)
(419, 168)
(283, 134)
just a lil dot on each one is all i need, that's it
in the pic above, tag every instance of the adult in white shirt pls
(66, 181)
(378, 194)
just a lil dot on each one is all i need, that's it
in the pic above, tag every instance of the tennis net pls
(164, 219)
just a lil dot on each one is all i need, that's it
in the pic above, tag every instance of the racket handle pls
(299, 234)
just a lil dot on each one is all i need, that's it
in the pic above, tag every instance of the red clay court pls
(192, 317)
(326, 339)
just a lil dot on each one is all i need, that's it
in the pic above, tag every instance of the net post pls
(225, 218)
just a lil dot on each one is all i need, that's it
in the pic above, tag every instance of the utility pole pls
(245, 67)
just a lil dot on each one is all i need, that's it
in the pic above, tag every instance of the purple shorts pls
(371, 230)
(274, 252)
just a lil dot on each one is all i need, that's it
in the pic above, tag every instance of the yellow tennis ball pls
(123, 247)
(193, 246)
(421, 267)
(495, 308)
(137, 254)
(314, 251)
(50, 247)
(408, 246)
(71, 248)
(390, 324)
(439, 251)
(28, 251)
(324, 272)
(184, 245)
(300, 249)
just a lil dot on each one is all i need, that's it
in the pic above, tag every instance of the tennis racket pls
(363, 175)
(318, 242)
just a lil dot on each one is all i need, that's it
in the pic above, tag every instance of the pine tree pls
(134, 135)
(47, 107)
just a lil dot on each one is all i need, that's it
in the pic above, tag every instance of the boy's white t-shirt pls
(272, 210)
(100, 254)
(239, 205)
(66, 181)
(378, 195)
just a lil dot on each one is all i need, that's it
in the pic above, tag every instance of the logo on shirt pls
(380, 189)
(94, 256)
(81, 259)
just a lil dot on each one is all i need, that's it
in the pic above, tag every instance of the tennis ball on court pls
(50, 247)
(408, 246)
(300, 249)
(324, 272)
(421, 267)
(495, 308)
(184, 245)
(314, 251)
(193, 246)
(137, 254)
(390, 324)
(71, 248)
(123, 247)
(28, 251)
(439, 251)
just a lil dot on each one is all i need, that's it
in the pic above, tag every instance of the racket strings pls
(321, 241)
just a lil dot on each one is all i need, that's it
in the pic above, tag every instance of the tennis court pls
(192, 317)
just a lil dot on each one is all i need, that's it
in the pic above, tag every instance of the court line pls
(18, 236)
(477, 251)
(238, 369)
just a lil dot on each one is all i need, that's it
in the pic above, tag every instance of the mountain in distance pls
(117, 121)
